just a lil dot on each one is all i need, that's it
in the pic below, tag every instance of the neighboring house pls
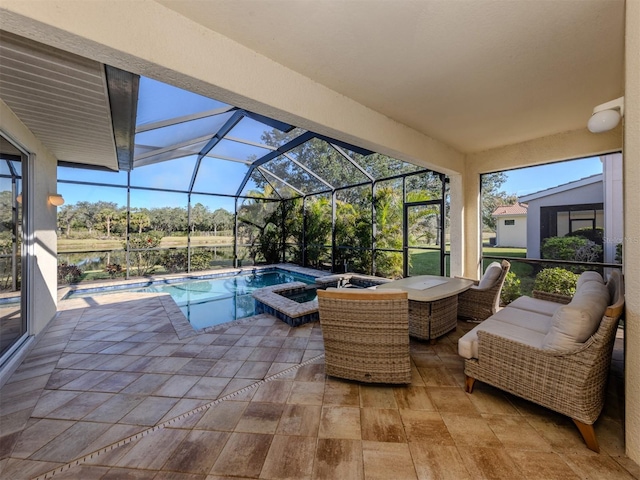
(511, 225)
(590, 202)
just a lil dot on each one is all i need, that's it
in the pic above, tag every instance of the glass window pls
(509, 222)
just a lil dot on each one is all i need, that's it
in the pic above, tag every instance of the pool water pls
(307, 295)
(219, 300)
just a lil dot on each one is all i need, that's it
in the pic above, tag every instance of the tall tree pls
(139, 220)
(493, 197)
(221, 219)
(200, 218)
(106, 216)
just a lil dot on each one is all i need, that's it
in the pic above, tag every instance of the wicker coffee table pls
(433, 303)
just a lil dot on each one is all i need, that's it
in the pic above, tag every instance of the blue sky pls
(520, 182)
(528, 180)
(158, 101)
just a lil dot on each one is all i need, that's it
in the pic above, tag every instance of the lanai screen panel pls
(381, 166)
(170, 175)
(219, 176)
(324, 160)
(159, 101)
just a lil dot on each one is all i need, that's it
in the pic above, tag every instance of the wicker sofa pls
(555, 355)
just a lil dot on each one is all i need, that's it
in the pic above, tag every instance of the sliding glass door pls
(13, 320)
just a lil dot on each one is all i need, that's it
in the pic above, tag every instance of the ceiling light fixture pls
(606, 116)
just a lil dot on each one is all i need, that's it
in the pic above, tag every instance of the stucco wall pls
(592, 193)
(632, 229)
(614, 205)
(511, 235)
(44, 273)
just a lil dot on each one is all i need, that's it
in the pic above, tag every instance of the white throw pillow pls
(491, 275)
(574, 323)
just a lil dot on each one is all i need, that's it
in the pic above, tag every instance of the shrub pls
(113, 269)
(510, 289)
(270, 245)
(201, 259)
(174, 261)
(69, 273)
(589, 253)
(556, 280)
(577, 249)
(145, 257)
(619, 253)
(562, 248)
(596, 235)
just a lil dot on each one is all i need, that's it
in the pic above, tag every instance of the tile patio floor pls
(115, 390)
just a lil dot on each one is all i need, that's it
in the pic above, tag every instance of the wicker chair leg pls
(468, 384)
(588, 434)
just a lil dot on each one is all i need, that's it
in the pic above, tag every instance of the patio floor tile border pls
(144, 433)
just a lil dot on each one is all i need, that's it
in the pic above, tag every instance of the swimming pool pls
(212, 301)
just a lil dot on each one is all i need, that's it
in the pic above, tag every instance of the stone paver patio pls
(115, 389)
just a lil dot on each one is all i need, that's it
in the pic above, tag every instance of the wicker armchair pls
(366, 334)
(480, 303)
(572, 382)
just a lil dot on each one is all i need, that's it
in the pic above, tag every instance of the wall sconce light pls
(606, 116)
(56, 199)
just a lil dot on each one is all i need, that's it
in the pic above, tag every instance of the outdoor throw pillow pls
(491, 275)
(574, 323)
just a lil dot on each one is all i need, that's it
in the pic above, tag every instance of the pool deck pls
(113, 390)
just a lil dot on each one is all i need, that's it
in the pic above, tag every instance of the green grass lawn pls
(94, 244)
(428, 263)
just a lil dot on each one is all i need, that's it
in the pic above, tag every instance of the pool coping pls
(269, 300)
(179, 321)
(141, 282)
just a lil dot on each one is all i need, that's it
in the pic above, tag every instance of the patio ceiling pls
(474, 74)
(76, 107)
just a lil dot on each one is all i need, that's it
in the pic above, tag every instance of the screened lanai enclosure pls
(211, 185)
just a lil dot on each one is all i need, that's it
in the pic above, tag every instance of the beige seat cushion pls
(574, 323)
(537, 322)
(491, 275)
(537, 305)
(468, 344)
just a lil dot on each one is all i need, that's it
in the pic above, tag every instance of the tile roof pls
(517, 209)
